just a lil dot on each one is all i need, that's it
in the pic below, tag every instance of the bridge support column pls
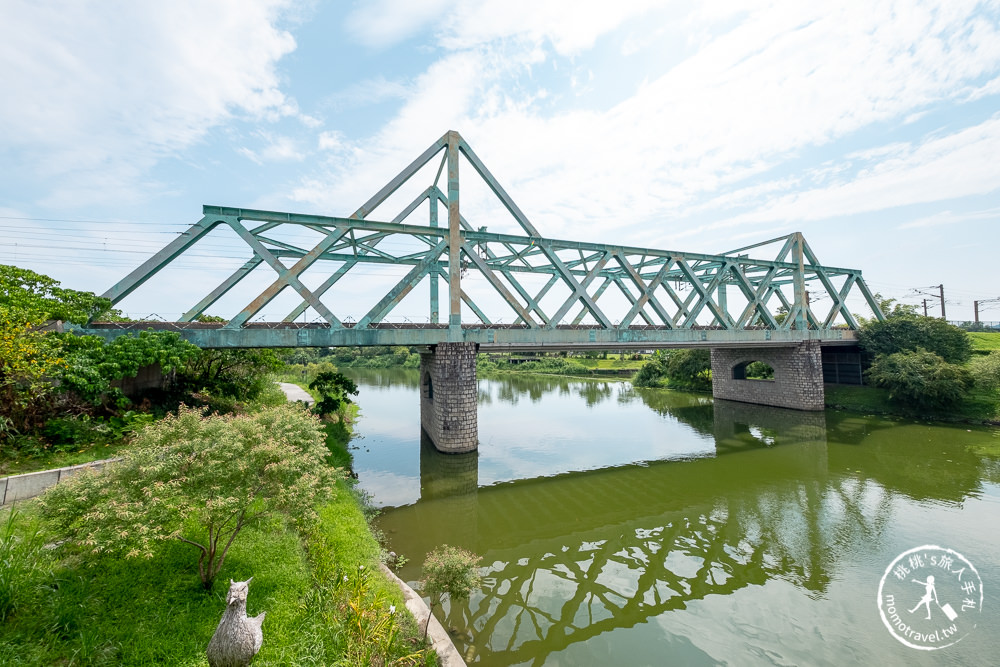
(448, 397)
(797, 383)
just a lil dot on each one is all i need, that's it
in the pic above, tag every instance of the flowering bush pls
(198, 479)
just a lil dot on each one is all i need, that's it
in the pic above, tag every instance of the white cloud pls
(383, 23)
(952, 218)
(570, 29)
(115, 86)
(276, 148)
(466, 24)
(757, 89)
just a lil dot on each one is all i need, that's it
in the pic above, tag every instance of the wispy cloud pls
(117, 86)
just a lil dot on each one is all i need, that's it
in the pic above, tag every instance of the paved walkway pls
(296, 393)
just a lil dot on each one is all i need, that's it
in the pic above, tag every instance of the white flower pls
(345, 577)
(392, 609)
(361, 567)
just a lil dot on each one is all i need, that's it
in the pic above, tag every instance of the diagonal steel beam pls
(498, 285)
(597, 295)
(497, 189)
(532, 303)
(403, 287)
(401, 178)
(756, 298)
(226, 285)
(289, 276)
(152, 266)
(705, 300)
(646, 291)
(578, 288)
(632, 300)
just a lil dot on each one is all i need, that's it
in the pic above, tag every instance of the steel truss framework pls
(676, 298)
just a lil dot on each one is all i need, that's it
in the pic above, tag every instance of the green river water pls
(620, 526)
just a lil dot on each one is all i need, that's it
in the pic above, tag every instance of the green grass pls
(985, 341)
(613, 362)
(114, 611)
(326, 601)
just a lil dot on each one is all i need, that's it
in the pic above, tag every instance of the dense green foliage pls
(758, 370)
(239, 375)
(682, 368)
(376, 357)
(92, 366)
(199, 480)
(920, 379)
(62, 392)
(40, 298)
(334, 390)
(909, 332)
(325, 603)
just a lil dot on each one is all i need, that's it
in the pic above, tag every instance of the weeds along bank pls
(130, 580)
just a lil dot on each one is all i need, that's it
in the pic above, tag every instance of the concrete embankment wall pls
(29, 485)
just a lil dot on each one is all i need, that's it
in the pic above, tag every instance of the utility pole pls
(941, 287)
(975, 308)
(925, 307)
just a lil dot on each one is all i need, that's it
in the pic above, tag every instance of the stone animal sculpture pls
(238, 638)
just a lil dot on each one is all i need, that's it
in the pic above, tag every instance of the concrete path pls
(296, 393)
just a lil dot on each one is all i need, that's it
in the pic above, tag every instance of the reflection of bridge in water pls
(568, 558)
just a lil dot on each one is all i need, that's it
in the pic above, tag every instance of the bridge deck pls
(494, 336)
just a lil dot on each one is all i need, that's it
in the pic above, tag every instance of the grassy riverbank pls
(326, 601)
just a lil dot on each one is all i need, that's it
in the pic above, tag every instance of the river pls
(620, 526)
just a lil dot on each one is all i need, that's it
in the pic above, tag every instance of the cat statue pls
(238, 638)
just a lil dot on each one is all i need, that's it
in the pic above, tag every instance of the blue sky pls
(873, 128)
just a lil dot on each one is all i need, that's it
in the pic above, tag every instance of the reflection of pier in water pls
(570, 557)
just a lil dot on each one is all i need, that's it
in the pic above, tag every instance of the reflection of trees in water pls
(539, 601)
(511, 388)
(695, 410)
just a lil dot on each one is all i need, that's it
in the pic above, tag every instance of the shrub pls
(920, 379)
(449, 571)
(985, 371)
(651, 373)
(199, 480)
(691, 368)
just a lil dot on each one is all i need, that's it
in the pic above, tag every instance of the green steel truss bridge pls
(549, 293)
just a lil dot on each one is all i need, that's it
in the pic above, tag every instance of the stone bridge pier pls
(448, 397)
(798, 376)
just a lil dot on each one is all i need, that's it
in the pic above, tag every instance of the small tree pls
(334, 389)
(450, 571)
(920, 379)
(218, 473)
